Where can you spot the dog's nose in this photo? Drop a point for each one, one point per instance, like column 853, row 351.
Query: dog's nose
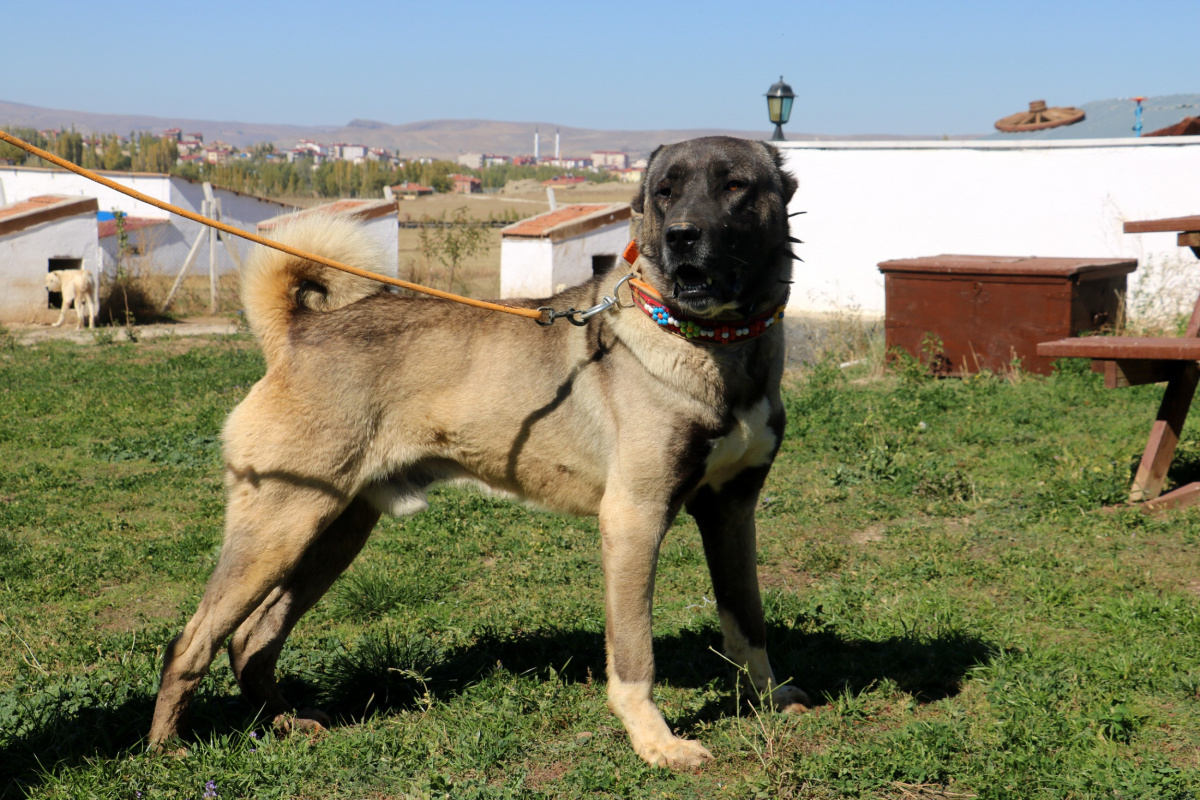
column 680, row 236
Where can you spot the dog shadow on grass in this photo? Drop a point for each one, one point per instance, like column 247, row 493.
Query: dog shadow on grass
column 390, row 674
column 387, row 673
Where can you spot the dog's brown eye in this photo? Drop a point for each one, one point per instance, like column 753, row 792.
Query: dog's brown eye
column 664, row 192
column 735, row 186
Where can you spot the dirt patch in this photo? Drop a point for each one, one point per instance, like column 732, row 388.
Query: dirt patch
column 783, row 576
column 34, row 333
column 542, row 774
column 872, row 533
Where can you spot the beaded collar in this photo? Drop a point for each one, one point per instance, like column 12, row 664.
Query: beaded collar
column 708, row 331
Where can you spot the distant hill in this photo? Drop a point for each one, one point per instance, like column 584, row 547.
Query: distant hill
column 435, row 138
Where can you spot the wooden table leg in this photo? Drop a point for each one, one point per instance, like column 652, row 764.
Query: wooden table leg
column 1164, row 436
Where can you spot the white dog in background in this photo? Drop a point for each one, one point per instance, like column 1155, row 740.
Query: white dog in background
column 77, row 288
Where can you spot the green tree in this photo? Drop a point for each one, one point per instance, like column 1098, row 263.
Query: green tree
column 450, row 243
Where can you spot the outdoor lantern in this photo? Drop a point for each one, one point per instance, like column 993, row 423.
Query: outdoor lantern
column 779, row 107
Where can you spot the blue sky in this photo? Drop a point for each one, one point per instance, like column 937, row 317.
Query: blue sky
column 919, row 67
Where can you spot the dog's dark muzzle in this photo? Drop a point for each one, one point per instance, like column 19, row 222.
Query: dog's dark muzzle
column 692, row 262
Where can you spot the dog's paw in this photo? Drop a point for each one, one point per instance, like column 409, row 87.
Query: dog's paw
column 790, row 700
column 307, row 720
column 675, row 753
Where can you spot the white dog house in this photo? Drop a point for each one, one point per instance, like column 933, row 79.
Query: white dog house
column 547, row 253
column 37, row 235
column 379, row 217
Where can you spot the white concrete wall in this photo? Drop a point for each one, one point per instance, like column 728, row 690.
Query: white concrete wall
column 871, row 202
column 525, row 267
column 241, row 211
column 573, row 257
column 21, row 183
column 386, row 231
column 24, row 261
column 169, row 245
column 539, row 267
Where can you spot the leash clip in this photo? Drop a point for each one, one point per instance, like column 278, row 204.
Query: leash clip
column 580, row 318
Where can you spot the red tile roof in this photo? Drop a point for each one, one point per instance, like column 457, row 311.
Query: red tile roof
column 1188, row 126
column 564, row 181
column 363, row 209
column 108, row 227
column 569, row 221
column 44, row 208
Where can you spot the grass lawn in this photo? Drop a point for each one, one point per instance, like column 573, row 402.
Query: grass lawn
column 937, row 569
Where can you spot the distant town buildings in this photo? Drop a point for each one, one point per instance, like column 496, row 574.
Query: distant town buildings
column 411, row 191
column 610, row 159
column 465, row 184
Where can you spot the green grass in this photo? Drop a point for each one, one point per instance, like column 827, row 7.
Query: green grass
column 936, row 565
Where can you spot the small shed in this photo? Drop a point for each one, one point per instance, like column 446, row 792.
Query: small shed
column 144, row 235
column 43, row 233
column 379, row 217
column 545, row 254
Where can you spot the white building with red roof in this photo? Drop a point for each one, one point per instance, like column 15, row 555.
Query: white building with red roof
column 377, row 216
column 37, row 235
column 564, row 247
column 163, row 246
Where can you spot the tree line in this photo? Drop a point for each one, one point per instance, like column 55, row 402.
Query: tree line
column 141, row 152
column 260, row 171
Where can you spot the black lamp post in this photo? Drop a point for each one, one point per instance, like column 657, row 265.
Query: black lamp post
column 779, row 107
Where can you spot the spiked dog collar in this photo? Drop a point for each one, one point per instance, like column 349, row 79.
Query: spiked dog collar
column 709, row 331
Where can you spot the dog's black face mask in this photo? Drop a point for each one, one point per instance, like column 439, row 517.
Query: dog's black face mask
column 714, row 225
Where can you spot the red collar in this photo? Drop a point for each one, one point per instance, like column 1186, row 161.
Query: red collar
column 708, row 331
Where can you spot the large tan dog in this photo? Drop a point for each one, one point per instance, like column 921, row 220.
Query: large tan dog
column 369, row 398
column 77, row 287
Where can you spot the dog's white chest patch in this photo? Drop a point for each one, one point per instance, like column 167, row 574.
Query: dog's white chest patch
column 749, row 444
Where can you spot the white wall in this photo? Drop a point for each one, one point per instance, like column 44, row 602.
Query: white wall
column 24, row 261
column 525, row 267
column 573, row 257
column 169, row 245
column 386, row 231
column 537, row 267
column 22, row 183
column 872, row 202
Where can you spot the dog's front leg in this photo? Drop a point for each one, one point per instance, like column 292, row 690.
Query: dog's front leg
column 631, row 535
column 62, row 313
column 726, row 522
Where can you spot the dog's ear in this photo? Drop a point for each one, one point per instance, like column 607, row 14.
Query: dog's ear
column 790, row 185
column 638, row 203
column 786, row 179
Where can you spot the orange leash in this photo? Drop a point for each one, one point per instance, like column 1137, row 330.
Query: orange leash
column 531, row 313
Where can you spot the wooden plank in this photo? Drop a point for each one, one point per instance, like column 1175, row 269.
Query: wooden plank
column 187, row 262
column 1169, row 224
column 1191, row 239
column 1009, row 266
column 1119, row 374
column 1140, row 348
column 1164, row 435
column 1182, row 497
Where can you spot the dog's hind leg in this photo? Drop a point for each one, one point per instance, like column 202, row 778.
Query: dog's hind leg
column 270, row 524
column 726, row 522
column 256, row 643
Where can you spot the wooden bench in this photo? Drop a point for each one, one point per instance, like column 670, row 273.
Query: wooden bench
column 1136, row 360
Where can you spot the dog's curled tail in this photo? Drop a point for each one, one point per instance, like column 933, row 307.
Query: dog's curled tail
column 276, row 286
